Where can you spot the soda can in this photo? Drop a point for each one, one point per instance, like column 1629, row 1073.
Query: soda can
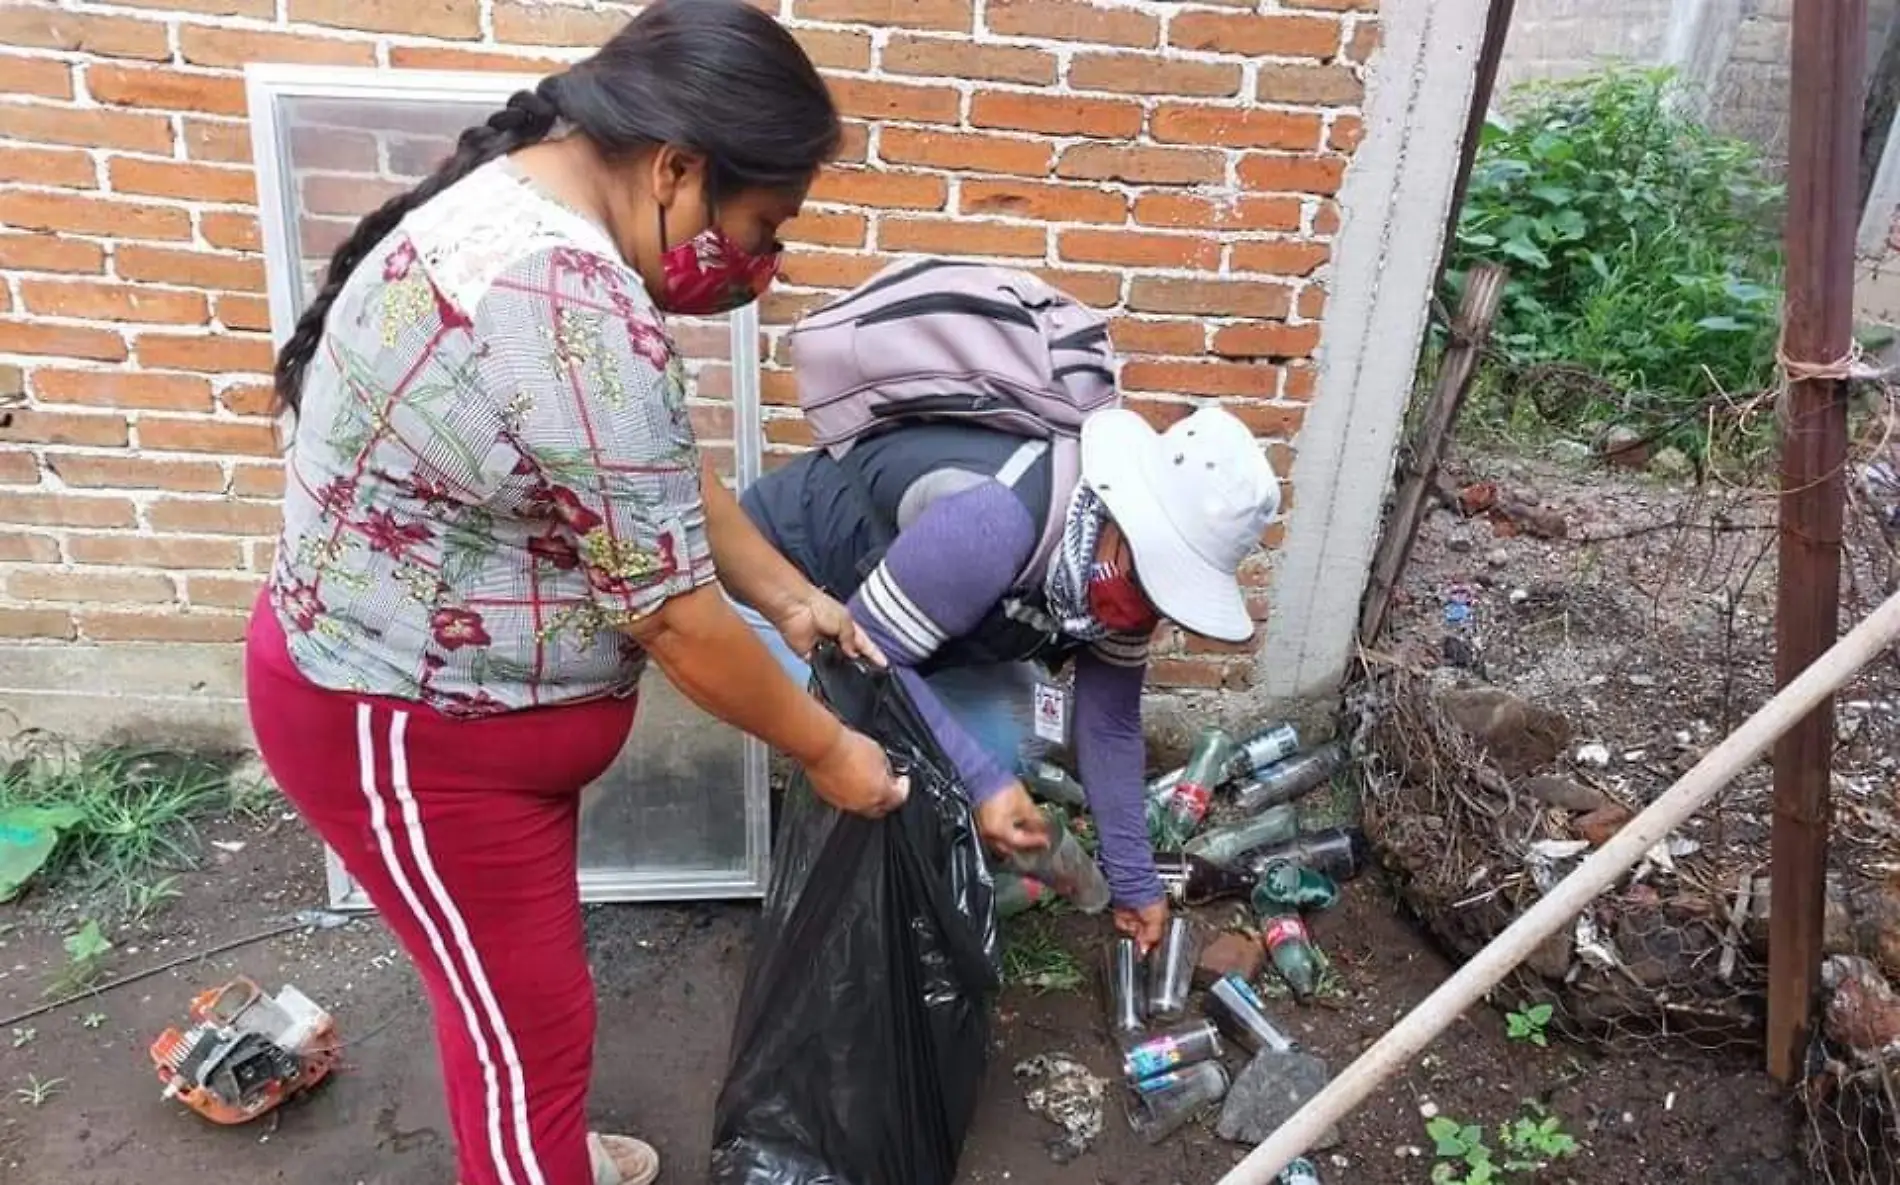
column 1123, row 974
column 1171, row 972
column 1241, row 1016
column 1169, row 1103
column 1267, row 749
column 1172, row 1051
column 1300, row 1172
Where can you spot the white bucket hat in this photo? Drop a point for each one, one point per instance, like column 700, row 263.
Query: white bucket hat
column 1192, row 503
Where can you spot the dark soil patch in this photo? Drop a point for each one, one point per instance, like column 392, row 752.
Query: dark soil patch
column 668, row 983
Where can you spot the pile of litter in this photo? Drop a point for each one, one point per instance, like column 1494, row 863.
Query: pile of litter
column 1174, row 1057
column 1464, row 808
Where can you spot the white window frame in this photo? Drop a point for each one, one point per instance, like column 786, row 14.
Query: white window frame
column 266, row 85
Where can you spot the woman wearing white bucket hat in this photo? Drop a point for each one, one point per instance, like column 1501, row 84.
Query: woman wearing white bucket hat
column 926, row 529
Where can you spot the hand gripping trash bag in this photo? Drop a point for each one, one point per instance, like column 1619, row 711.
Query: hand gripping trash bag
column 864, row 1027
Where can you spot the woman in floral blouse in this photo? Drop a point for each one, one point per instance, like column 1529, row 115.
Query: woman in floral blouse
column 496, row 512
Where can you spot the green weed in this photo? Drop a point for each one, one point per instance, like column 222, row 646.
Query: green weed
column 138, row 810
column 1034, row 958
column 1530, row 1024
column 86, row 951
column 1529, row 1144
column 1644, row 253
column 39, row 1091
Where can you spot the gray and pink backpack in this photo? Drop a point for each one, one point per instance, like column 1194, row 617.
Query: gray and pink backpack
column 939, row 340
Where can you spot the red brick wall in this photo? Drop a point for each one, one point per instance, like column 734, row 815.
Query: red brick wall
column 1173, row 163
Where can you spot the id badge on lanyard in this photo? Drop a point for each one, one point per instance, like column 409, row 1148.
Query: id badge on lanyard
column 1052, row 712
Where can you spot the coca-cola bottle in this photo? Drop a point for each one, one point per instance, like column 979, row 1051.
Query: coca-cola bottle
column 1291, row 948
column 1191, row 880
column 1218, row 759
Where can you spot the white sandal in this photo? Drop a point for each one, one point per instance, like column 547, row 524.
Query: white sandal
column 622, row 1160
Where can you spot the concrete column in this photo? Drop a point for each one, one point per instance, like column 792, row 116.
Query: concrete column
column 1395, row 203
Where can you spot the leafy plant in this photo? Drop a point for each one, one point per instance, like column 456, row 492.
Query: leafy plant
column 1642, row 248
column 1530, row 1024
column 1537, row 1135
column 38, row 1091
column 93, row 1020
column 24, row 1036
column 86, row 950
column 1530, row 1143
column 1463, row 1156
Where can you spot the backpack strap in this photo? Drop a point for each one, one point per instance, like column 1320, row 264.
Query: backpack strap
column 1065, row 472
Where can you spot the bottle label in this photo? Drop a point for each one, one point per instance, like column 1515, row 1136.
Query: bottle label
column 1147, row 1060
column 1284, row 929
column 1191, row 800
column 1244, row 990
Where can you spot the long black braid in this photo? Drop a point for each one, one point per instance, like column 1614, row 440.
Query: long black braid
column 716, row 77
column 527, row 119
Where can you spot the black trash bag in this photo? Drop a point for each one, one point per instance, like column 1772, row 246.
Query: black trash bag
column 864, row 1028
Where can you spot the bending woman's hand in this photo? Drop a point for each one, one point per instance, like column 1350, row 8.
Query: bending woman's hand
column 816, row 618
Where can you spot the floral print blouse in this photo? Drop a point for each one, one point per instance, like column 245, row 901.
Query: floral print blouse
column 493, row 469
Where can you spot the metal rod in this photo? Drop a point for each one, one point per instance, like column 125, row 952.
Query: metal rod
column 1829, row 66
column 1570, row 896
column 134, row 977
column 1497, row 29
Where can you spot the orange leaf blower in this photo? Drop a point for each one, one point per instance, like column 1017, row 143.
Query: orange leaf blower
column 246, row 1053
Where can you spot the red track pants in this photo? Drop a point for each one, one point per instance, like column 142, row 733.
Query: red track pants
column 464, row 835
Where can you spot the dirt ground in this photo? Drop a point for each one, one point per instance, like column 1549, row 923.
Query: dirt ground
column 668, row 982
column 1653, row 639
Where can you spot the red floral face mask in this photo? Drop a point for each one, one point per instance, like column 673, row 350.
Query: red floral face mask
column 1117, row 601
column 709, row 274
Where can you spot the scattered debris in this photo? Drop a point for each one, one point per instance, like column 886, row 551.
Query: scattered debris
column 1600, row 826
column 1063, row 1091
column 1863, row 1012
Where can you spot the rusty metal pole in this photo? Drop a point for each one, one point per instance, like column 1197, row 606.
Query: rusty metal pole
column 1823, row 188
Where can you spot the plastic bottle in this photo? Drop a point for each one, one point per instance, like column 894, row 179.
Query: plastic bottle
column 1285, row 885
column 1340, row 852
column 1049, row 782
column 1170, row 1102
column 1230, row 845
column 1291, row 779
column 1190, row 880
column 1018, row 894
column 1065, row 866
column 1292, row 951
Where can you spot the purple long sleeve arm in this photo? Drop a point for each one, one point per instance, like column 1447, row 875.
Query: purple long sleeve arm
column 1112, row 756
column 939, row 578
